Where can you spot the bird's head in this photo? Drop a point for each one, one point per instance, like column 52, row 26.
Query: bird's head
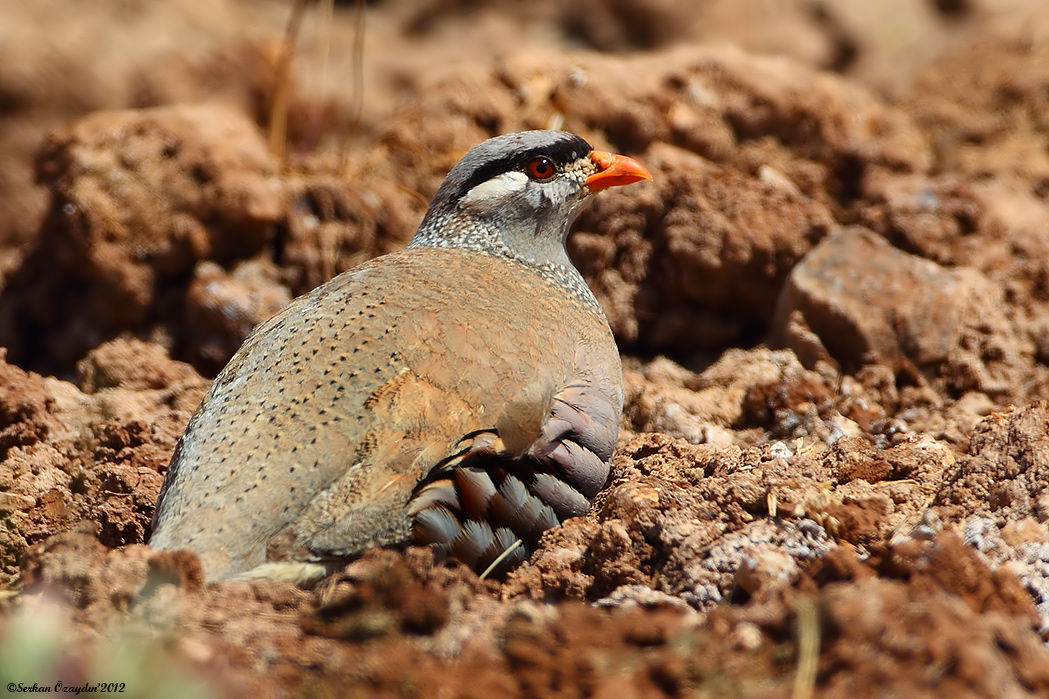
column 516, row 195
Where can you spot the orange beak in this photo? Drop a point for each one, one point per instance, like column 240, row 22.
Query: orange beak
column 614, row 171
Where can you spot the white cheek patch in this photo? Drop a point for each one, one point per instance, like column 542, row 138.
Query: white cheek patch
column 495, row 192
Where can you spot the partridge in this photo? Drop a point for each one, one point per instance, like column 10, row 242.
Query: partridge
column 463, row 393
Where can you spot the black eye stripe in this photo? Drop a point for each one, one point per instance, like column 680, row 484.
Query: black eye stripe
column 507, row 154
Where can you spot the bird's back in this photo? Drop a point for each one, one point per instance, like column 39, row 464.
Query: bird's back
column 312, row 440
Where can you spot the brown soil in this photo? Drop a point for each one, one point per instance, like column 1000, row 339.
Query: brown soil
column 833, row 304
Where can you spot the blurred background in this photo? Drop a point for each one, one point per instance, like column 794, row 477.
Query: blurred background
column 60, row 58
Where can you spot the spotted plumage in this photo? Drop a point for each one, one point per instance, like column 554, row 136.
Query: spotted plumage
column 464, row 393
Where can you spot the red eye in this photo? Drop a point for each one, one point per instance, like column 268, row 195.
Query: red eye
column 541, row 168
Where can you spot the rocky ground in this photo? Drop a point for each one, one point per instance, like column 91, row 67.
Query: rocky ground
column 832, row 301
